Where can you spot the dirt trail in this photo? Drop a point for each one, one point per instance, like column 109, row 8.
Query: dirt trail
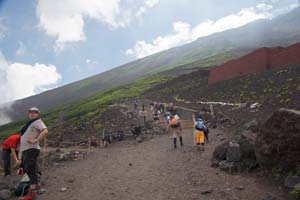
column 153, row 170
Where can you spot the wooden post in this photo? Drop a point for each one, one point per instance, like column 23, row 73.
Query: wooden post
column 102, row 139
column 89, row 143
column 144, row 114
column 212, row 111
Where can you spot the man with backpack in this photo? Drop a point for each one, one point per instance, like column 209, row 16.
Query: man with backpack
column 200, row 133
column 33, row 132
column 176, row 130
column 172, row 109
column 10, row 147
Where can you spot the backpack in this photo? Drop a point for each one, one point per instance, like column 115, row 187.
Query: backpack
column 174, row 123
column 22, row 189
column 206, row 130
column 174, row 108
column 200, row 125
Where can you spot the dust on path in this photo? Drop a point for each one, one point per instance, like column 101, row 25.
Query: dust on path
column 153, row 170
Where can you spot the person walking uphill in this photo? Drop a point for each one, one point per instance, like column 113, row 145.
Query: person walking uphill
column 200, row 132
column 32, row 134
column 176, row 130
column 9, row 147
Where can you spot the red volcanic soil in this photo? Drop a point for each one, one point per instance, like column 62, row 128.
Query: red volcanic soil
column 258, row 61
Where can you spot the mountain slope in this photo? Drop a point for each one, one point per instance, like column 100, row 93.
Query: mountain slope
column 283, row 31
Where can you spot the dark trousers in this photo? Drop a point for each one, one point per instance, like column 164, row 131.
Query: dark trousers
column 6, row 161
column 206, row 137
column 30, row 162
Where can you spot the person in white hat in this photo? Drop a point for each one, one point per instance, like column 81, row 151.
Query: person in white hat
column 176, row 130
column 33, row 132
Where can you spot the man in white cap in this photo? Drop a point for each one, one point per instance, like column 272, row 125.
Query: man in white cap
column 32, row 134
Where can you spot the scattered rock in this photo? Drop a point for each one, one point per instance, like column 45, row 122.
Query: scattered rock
column 5, row 194
column 252, row 125
column 278, row 143
column 3, row 185
column 240, row 188
column 140, row 139
column 204, row 192
column 297, row 187
column 255, row 105
column 230, row 167
column 233, row 153
column 291, row 181
column 70, row 180
column 130, row 164
column 267, row 197
column 215, row 163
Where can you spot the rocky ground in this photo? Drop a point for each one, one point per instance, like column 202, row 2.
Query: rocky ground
column 274, row 89
column 149, row 168
column 154, row 170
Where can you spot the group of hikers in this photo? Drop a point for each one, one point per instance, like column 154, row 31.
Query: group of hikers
column 24, row 147
column 174, row 125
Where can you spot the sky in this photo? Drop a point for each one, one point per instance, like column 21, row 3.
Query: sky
column 49, row 43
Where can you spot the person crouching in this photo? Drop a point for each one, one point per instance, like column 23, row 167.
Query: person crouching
column 10, row 147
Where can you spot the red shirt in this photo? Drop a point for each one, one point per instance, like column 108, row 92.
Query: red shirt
column 12, row 142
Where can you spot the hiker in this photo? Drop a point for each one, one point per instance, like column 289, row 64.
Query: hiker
column 156, row 114
column 10, row 147
column 136, row 130
column 152, row 106
column 106, row 140
column 33, row 132
column 200, row 132
column 168, row 117
column 172, row 109
column 162, row 107
column 120, row 135
column 136, row 104
column 176, row 130
column 205, row 128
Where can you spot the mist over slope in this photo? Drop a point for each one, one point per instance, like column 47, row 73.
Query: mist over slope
column 283, row 30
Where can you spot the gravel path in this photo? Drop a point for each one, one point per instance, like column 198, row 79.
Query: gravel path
column 153, row 170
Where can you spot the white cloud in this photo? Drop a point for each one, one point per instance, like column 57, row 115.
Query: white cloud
column 64, row 20
column 148, row 4
column 183, row 32
column 19, row 80
column 21, row 49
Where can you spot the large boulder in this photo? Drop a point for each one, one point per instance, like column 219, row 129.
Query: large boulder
column 247, row 147
column 278, row 142
column 220, row 151
column 291, row 181
column 5, row 194
column 233, row 152
column 252, row 125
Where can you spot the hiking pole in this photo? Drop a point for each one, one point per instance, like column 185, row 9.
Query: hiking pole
column 44, row 154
